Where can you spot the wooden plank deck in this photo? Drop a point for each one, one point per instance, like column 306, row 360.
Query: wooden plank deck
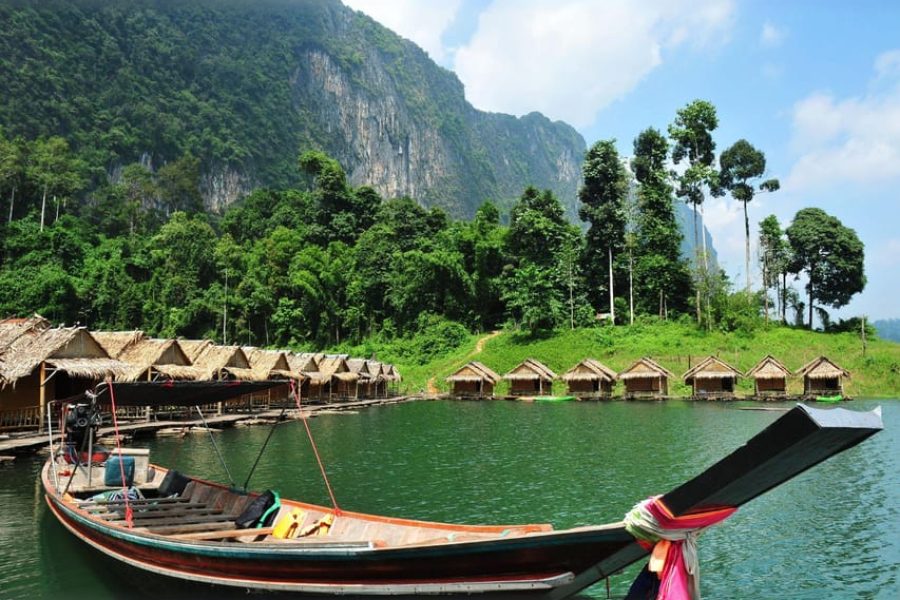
column 34, row 442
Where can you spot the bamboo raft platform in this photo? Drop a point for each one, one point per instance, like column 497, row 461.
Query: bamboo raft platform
column 34, row 442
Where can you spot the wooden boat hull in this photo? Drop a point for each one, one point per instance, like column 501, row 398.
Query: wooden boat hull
column 531, row 562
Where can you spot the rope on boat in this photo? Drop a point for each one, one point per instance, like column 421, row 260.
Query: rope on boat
column 129, row 515
column 296, row 394
column 673, row 541
column 266, row 443
column 216, row 446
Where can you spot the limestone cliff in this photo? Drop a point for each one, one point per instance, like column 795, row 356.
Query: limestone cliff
column 246, row 86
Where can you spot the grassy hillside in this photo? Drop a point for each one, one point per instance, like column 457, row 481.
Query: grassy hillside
column 675, row 346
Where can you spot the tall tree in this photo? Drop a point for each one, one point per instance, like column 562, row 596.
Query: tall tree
column 663, row 278
column 179, row 185
column 12, row 168
column 602, row 197
column 54, row 169
column 773, row 258
column 741, row 166
column 830, row 254
column 693, row 143
column 538, row 229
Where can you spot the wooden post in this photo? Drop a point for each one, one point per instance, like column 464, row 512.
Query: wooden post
column 42, row 397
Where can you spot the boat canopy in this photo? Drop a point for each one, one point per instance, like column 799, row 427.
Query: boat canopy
column 179, row 393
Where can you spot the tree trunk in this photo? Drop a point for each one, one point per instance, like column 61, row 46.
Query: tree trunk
column 631, row 285
column 55, row 199
column 12, row 203
column 810, row 301
column 43, row 206
column 784, row 296
column 612, row 306
column 765, row 286
column 697, row 265
column 571, row 297
column 747, row 249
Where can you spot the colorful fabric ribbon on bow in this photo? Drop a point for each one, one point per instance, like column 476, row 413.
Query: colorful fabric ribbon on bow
column 673, row 544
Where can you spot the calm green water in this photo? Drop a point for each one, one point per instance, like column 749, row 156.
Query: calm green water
column 834, row 532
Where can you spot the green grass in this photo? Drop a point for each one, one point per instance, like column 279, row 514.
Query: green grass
column 675, row 346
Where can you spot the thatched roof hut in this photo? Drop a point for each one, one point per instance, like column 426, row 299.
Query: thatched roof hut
column 711, row 378
column 220, row 362
column 646, row 378
column 152, row 359
column 822, row 377
column 13, row 328
column 390, row 372
column 770, row 377
column 590, row 379
column 39, row 365
column 334, row 369
column 269, row 364
column 116, row 342
column 530, row 377
column 473, row 379
column 69, row 349
column 194, row 348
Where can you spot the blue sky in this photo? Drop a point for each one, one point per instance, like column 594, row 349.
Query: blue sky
column 814, row 85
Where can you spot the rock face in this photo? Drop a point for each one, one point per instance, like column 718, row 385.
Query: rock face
column 401, row 124
column 246, row 86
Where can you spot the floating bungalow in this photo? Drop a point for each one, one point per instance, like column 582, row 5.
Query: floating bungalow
column 366, row 382
column 40, row 364
column 473, row 380
column 392, row 378
column 530, row 377
column 769, row 378
column 646, row 379
column 340, row 380
column 219, row 363
column 379, row 380
column 314, row 385
column 270, row 364
column 712, row 379
column 821, row 377
column 590, row 379
column 152, row 359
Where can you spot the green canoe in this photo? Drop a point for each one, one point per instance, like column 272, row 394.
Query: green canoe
column 555, row 398
column 830, row 399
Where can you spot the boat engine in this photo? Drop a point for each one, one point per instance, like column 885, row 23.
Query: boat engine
column 81, row 421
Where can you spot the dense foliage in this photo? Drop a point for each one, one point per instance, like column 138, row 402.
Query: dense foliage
column 230, row 83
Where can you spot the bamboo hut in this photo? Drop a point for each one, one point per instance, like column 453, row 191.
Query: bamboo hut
column 392, row 378
column 13, row 328
column 646, row 378
column 194, row 348
column 271, row 364
column 364, row 381
column 530, row 377
column 153, row 359
column 38, row 365
column 473, row 380
column 821, row 377
column 380, row 373
column 341, row 381
column 116, row 342
column 314, row 386
column 590, row 379
column 769, row 378
column 712, row 379
column 220, row 363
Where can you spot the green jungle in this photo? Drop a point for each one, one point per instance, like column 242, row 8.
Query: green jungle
column 337, row 268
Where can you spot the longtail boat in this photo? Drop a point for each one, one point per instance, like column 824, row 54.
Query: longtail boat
column 188, row 528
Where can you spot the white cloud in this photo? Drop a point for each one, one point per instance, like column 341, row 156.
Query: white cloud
column 771, row 35
column 852, row 140
column 423, row 23
column 571, row 58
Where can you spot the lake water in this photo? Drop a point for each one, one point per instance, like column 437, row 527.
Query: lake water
column 833, row 532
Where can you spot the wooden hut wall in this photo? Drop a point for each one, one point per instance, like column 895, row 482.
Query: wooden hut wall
column 473, row 388
column 646, row 386
column 519, row 387
column 827, row 385
column 771, row 386
column 713, row 385
column 25, row 394
column 589, row 387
